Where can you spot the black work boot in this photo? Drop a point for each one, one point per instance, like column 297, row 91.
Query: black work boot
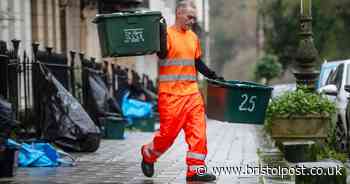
column 206, row 177
column 147, row 168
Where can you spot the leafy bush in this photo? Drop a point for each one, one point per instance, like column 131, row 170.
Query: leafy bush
column 300, row 103
column 324, row 152
column 268, row 67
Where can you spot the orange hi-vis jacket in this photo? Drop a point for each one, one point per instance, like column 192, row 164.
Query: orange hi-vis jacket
column 177, row 73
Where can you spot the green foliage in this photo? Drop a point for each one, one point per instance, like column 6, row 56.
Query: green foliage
column 298, row 103
column 323, row 152
column 268, row 67
column 331, row 25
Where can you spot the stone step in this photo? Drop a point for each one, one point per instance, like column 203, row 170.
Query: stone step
column 270, row 155
column 298, row 151
column 323, row 172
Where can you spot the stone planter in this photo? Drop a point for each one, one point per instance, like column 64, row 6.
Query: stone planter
column 300, row 128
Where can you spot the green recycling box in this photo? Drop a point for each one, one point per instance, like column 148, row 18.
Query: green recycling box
column 237, row 101
column 128, row 33
column 113, row 127
column 145, row 124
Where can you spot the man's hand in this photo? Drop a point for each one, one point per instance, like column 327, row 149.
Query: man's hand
column 220, row 78
column 214, row 76
column 163, row 38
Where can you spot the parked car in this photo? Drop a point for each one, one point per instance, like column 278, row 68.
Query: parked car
column 334, row 80
column 326, row 69
column 280, row 89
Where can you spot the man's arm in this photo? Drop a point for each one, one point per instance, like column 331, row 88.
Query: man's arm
column 203, row 69
column 163, row 39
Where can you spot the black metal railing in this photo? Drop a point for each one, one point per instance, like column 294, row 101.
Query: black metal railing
column 21, row 81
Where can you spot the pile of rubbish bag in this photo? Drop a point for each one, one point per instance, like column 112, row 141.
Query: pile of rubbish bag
column 99, row 102
column 130, row 101
column 66, row 122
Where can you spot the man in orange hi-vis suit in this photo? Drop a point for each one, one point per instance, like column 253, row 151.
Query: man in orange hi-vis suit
column 180, row 103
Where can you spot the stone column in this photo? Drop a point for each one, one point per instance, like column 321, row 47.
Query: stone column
column 307, row 54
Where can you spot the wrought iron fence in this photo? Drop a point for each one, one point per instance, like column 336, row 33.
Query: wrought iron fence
column 21, row 82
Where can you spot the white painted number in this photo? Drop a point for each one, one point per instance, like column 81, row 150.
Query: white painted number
column 248, row 103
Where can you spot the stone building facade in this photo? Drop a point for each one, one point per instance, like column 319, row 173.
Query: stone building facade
column 67, row 25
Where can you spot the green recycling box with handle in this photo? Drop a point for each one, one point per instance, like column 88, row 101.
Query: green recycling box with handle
column 237, row 101
column 113, row 127
column 129, row 33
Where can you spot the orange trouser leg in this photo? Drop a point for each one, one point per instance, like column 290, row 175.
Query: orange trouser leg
column 177, row 112
column 195, row 132
column 172, row 119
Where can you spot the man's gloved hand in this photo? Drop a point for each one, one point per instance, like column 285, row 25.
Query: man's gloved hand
column 220, row 78
column 163, row 38
column 214, row 76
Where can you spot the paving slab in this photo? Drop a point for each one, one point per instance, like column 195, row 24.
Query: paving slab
column 118, row 161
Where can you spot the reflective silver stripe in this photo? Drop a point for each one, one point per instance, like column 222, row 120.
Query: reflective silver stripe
column 177, row 77
column 196, row 155
column 176, row 62
column 197, row 168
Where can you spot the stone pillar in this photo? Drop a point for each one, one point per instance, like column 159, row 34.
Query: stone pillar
column 92, row 44
column 15, row 21
column 38, row 25
column 57, row 26
column 72, row 19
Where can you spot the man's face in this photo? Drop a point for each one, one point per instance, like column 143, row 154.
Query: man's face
column 186, row 17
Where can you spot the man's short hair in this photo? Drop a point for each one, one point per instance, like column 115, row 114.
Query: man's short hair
column 184, row 4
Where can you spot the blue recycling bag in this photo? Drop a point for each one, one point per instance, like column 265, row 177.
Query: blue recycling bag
column 39, row 155
column 132, row 108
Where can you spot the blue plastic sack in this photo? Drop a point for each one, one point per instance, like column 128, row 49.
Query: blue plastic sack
column 39, row 155
column 132, row 108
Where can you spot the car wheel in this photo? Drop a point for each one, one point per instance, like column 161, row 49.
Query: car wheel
column 341, row 138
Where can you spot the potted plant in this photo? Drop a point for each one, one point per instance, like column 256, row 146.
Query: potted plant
column 300, row 115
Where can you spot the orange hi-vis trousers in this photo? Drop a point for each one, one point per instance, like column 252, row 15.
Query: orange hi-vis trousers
column 177, row 113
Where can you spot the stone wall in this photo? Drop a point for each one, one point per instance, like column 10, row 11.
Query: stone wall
column 14, row 19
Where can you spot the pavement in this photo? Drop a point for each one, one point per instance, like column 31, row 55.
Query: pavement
column 118, row 161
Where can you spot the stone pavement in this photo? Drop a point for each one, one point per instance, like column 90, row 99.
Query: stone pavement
column 118, row 161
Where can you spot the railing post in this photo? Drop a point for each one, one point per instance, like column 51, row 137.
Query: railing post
column 113, row 81
column 49, row 50
column 72, row 72
column 35, row 51
column 4, row 61
column 93, row 62
column 15, row 44
column 83, row 79
column 3, row 47
column 13, row 75
column 37, row 101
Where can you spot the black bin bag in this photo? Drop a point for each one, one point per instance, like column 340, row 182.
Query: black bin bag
column 65, row 121
column 7, row 120
column 100, row 102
